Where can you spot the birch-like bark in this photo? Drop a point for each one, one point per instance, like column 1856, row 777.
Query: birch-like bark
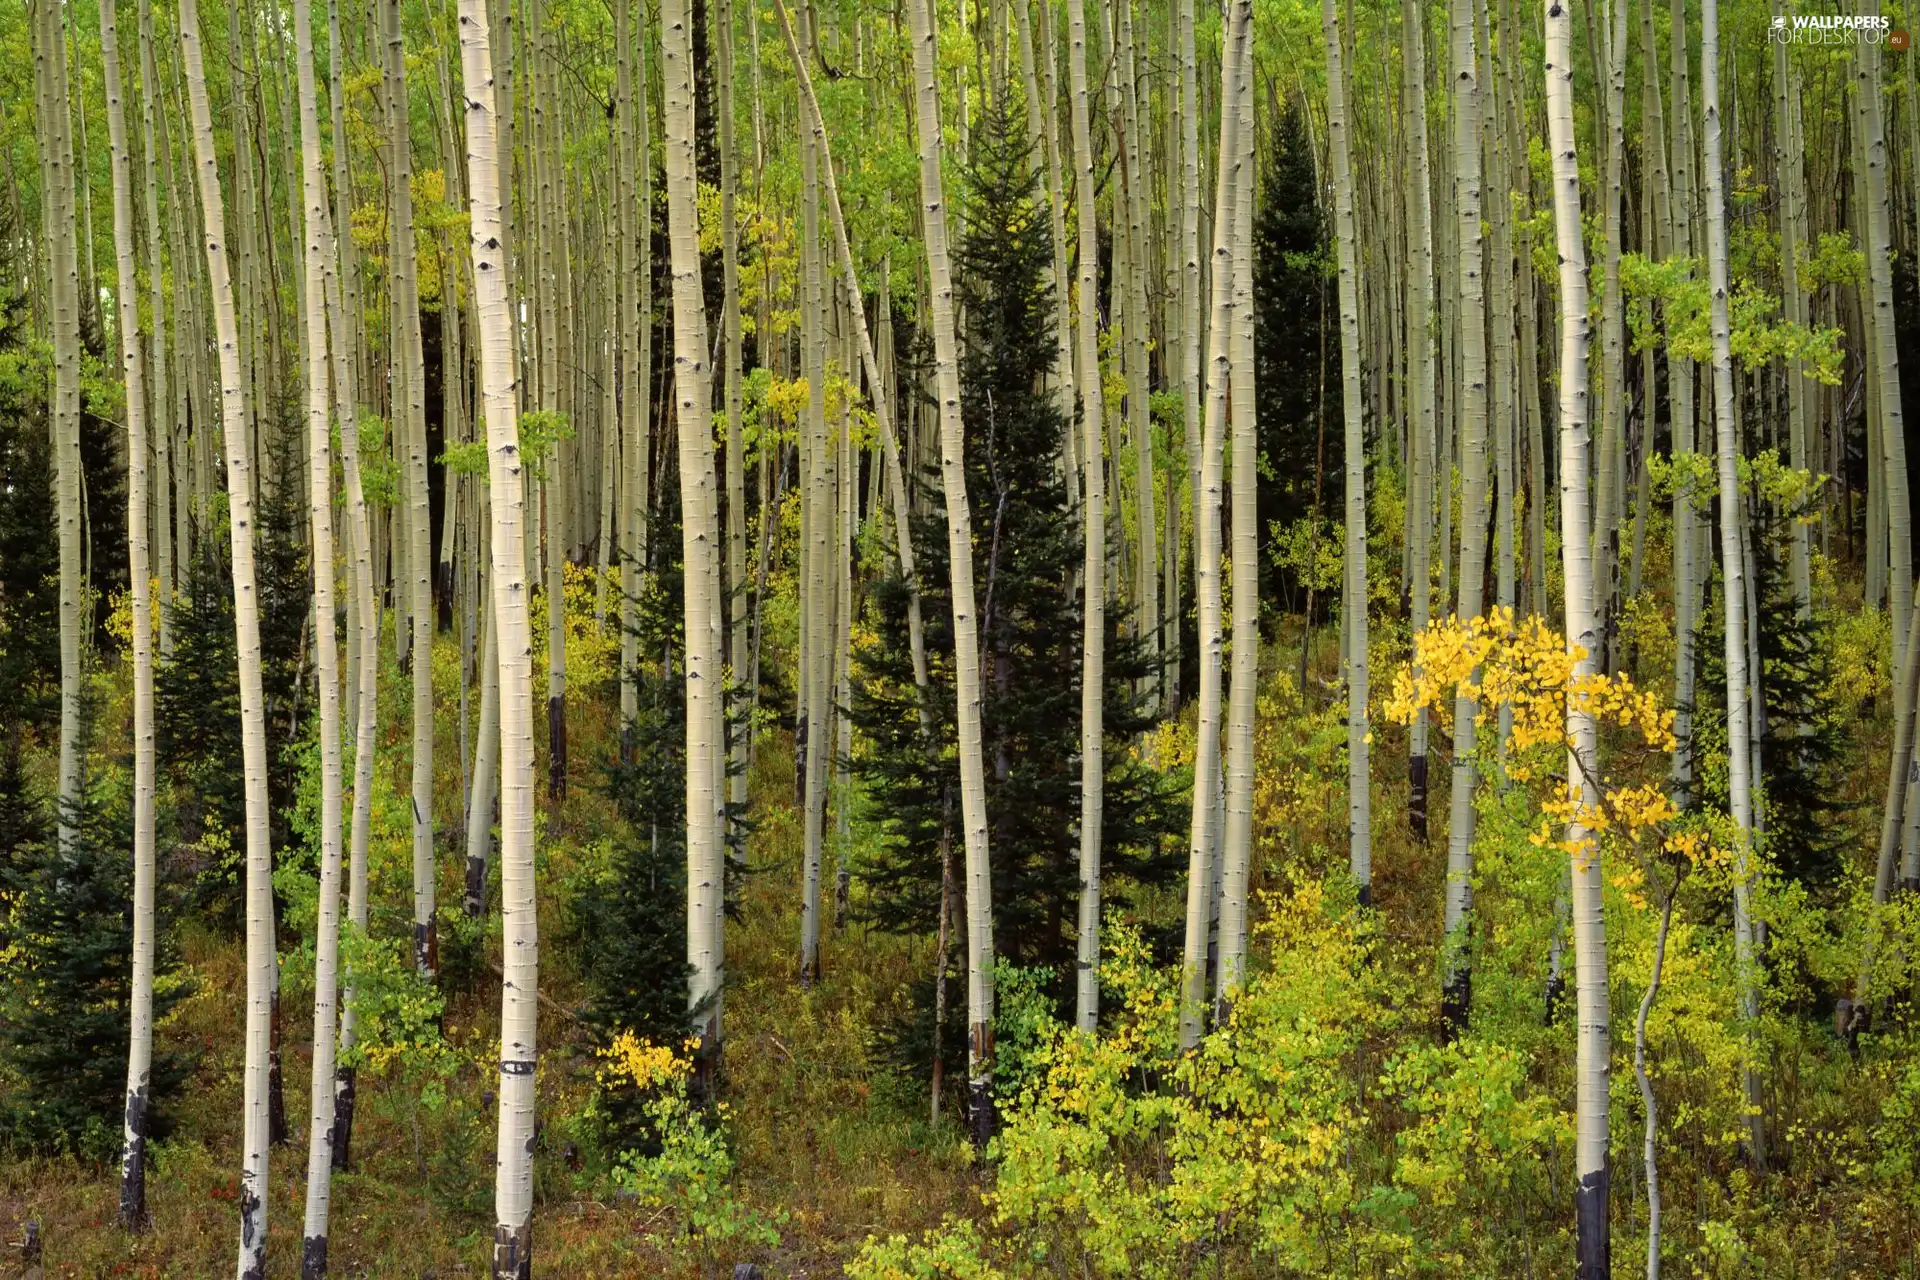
column 1236, row 847
column 62, row 259
column 693, row 380
column 133, row 1185
column 343, row 302
column 1203, row 837
column 1733, row 564
column 816, row 609
column 1681, row 380
column 1420, row 392
column 260, row 961
column 1093, row 533
column 161, row 427
column 410, row 433
column 1592, row 1048
column 736, row 558
column 313, row 189
column 1456, row 1000
column 966, row 622
column 1354, row 591
column 519, row 1010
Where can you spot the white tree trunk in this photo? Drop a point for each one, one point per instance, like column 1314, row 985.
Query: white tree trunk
column 966, row 622
column 519, row 1021
column 1354, row 591
column 693, row 380
column 246, row 618
column 1203, row 832
column 1593, row 1048
column 133, row 1189
column 1093, row 532
column 1732, row 558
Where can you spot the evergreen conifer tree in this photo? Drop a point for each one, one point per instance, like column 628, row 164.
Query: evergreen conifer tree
column 1026, row 548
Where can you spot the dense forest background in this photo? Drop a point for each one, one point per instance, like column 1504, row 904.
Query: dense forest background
column 1108, row 638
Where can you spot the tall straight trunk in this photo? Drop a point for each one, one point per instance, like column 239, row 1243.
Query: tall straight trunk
column 1420, row 392
column 550, row 203
column 1610, row 501
column 1592, row 1049
column 1877, row 219
column 693, row 381
column 966, row 622
column 1236, row 847
column 161, row 428
column 1146, row 602
column 260, row 960
column 736, row 560
column 633, row 407
column 1044, row 141
column 410, row 435
column 1681, row 379
column 1093, row 531
column 1353, row 600
column 133, row 1184
column 816, row 607
column 1790, row 175
column 519, row 1021
column 1502, row 401
column 57, row 180
column 342, row 303
column 1204, row 831
column 313, row 187
column 1732, row 560
column 1191, row 321
column 486, row 767
column 1456, row 1001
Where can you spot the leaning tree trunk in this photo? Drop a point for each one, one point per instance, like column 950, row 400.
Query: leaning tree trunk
column 1093, row 510
column 693, row 380
column 966, row 622
column 1354, row 590
column 313, row 1249
column 1593, row 1049
column 519, row 1021
column 133, row 1173
column 246, row 621
column 1732, row 560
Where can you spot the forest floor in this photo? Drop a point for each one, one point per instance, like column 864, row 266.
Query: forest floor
column 832, row 1144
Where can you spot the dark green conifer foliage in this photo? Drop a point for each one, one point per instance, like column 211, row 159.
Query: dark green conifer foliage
column 29, row 554
column 66, row 969
column 1027, row 552
column 1290, row 286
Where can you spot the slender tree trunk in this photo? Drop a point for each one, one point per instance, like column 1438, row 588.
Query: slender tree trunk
column 1236, row 850
column 253, row 735
column 1649, row 1150
column 1420, row 393
column 966, row 624
column 1203, row 842
column 1093, row 532
column 133, row 1173
column 57, row 180
column 736, row 455
column 1354, row 590
column 513, row 1177
column 313, row 1249
column 1592, row 1051
column 693, row 379
column 1681, row 381
column 816, row 530
column 1456, row 1002
column 1733, row 564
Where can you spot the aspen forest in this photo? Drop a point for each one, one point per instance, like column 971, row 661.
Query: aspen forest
column 959, row 639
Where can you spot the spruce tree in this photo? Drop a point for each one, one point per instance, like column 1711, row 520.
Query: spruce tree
column 1289, row 286
column 1026, row 550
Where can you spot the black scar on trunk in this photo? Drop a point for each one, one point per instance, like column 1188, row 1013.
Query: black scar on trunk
column 557, row 748
column 980, row 1108
column 343, row 1091
column 513, row 1251
column 133, row 1173
column 476, row 895
column 1592, row 1248
column 1417, row 797
column 250, row 1213
column 1456, row 1003
column 313, row 1257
